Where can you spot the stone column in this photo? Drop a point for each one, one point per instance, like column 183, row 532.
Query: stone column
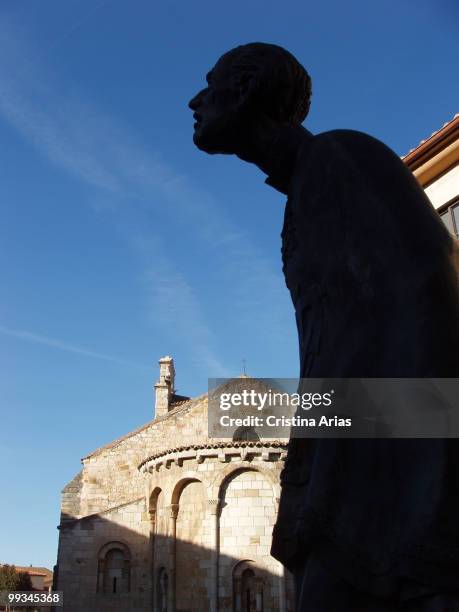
column 174, row 508
column 214, row 510
column 152, row 516
column 281, row 582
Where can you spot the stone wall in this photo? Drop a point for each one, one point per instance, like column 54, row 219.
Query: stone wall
column 111, row 477
column 223, row 500
column 187, row 519
column 80, row 545
column 71, row 498
column 246, row 523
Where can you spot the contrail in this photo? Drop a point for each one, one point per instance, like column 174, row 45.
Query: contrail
column 28, row 336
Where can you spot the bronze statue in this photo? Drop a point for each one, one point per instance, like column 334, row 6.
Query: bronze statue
column 363, row 524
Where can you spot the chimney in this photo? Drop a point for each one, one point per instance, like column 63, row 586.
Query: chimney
column 164, row 388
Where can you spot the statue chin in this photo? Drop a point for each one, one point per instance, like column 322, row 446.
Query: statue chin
column 215, row 139
column 199, row 140
column 200, row 143
column 206, row 144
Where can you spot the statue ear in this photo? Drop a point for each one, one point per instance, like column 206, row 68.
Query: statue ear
column 245, row 82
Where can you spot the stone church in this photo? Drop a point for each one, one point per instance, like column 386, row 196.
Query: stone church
column 167, row 519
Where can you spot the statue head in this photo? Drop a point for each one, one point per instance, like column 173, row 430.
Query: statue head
column 249, row 86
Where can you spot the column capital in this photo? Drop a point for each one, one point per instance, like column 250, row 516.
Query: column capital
column 214, row 505
column 174, row 508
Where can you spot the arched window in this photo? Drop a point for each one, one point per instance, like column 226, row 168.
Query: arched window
column 114, row 569
column 243, row 434
column 162, row 590
column 247, row 588
column 249, row 598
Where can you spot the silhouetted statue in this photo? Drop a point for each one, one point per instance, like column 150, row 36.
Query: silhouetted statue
column 363, row 524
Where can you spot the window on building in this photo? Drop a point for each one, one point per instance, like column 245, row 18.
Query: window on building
column 450, row 217
column 243, row 434
column 114, row 569
column 247, row 588
column 249, row 602
column 162, row 590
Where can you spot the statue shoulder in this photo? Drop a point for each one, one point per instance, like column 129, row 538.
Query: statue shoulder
column 349, row 156
column 357, row 179
column 348, row 143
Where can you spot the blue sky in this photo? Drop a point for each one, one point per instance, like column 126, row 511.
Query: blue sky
column 121, row 242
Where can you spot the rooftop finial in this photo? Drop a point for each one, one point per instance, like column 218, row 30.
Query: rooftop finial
column 244, row 374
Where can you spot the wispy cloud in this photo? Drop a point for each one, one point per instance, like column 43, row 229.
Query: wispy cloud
column 98, row 150
column 171, row 295
column 27, row 336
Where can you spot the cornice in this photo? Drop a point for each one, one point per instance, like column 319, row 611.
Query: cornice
column 220, row 450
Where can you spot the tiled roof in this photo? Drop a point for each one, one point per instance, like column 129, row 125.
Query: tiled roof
column 451, row 124
column 35, row 571
column 178, row 400
column 179, row 403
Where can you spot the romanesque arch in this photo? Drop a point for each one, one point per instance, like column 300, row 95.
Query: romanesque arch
column 180, row 486
column 153, row 501
column 248, row 587
column 217, row 485
column 114, row 568
column 159, row 547
column 248, row 510
column 193, row 551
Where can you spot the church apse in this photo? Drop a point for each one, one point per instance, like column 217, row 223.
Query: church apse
column 167, row 519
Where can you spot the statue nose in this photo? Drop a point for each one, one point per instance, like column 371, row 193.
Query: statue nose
column 194, row 102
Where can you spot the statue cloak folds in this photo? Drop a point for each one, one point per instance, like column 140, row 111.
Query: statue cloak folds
column 369, row 266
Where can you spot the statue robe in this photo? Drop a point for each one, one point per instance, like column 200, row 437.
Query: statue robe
column 369, row 266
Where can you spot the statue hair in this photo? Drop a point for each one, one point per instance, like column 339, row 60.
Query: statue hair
column 283, row 85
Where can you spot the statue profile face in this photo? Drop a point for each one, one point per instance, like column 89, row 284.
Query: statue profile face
column 219, row 110
column 247, row 87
